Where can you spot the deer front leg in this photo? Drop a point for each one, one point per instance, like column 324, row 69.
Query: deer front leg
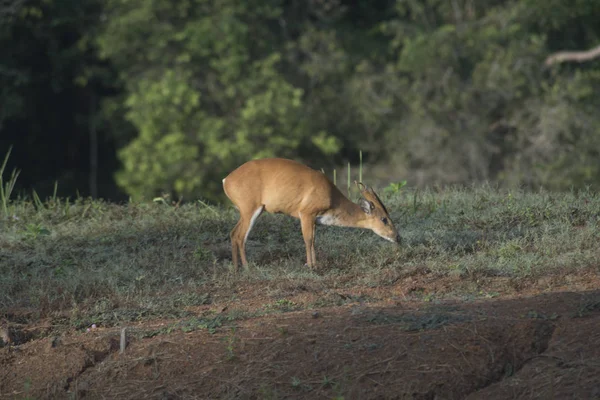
column 307, row 223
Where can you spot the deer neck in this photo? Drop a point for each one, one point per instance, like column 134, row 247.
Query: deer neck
column 345, row 213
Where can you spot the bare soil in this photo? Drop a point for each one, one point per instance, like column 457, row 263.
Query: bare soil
column 541, row 340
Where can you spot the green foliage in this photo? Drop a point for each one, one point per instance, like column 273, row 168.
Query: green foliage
column 33, row 231
column 207, row 95
column 394, row 188
column 480, row 106
column 282, row 305
column 441, row 92
column 51, row 88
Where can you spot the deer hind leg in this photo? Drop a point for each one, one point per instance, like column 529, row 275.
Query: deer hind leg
column 307, row 222
column 240, row 233
column 235, row 248
column 314, row 253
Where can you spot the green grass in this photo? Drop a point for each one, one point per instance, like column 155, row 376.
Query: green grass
column 7, row 185
column 106, row 263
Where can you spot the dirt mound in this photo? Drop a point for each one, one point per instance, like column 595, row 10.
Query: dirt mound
column 46, row 368
column 540, row 347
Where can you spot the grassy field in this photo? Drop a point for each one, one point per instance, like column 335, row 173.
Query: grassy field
column 103, row 263
column 488, row 288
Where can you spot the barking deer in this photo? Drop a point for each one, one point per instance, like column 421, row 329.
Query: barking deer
column 284, row 186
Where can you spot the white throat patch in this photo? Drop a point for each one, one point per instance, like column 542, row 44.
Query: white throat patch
column 326, row 220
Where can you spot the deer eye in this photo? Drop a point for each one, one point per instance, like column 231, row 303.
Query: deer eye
column 384, row 220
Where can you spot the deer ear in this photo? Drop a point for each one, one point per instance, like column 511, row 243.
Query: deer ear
column 366, row 206
column 361, row 186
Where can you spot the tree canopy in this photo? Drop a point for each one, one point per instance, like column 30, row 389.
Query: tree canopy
column 171, row 96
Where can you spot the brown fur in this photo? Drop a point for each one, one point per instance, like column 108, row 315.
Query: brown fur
column 284, row 186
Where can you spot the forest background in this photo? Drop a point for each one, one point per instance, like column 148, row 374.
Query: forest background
column 137, row 98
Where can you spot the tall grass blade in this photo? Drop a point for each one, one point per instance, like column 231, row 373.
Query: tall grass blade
column 360, row 167
column 7, row 187
column 415, row 199
column 39, row 204
column 348, row 179
column 208, row 207
column 54, row 192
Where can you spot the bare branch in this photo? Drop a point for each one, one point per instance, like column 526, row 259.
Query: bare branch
column 577, row 56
